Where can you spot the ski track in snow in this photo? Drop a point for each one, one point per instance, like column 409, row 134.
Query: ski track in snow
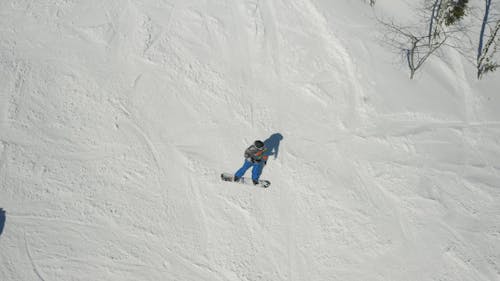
column 28, row 252
column 116, row 120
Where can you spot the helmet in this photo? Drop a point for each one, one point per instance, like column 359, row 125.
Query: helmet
column 259, row 144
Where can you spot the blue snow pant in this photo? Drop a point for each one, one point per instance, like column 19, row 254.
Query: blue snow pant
column 256, row 171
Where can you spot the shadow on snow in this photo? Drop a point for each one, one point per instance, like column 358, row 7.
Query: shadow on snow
column 2, row 220
column 273, row 144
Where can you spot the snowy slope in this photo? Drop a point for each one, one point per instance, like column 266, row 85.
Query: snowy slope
column 117, row 117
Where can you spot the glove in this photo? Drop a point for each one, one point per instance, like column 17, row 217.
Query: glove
column 253, row 160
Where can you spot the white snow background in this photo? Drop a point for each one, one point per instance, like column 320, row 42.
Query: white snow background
column 117, row 118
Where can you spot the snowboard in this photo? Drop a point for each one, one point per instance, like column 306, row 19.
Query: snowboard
column 244, row 180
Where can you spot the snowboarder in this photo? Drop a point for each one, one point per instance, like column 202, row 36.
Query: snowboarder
column 254, row 157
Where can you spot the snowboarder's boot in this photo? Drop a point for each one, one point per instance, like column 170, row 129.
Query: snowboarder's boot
column 255, row 182
column 236, row 178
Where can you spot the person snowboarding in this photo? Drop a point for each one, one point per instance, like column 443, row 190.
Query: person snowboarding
column 255, row 158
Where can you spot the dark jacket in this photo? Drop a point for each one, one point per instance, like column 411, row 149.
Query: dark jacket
column 255, row 155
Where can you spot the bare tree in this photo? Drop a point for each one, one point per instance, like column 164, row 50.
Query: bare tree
column 415, row 47
column 486, row 50
column 371, row 2
column 417, row 43
column 435, row 20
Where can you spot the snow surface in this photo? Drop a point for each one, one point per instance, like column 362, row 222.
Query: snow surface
column 117, row 117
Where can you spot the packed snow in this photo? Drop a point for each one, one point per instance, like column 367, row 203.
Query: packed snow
column 118, row 117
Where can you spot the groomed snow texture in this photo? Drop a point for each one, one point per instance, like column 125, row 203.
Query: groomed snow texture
column 118, row 116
